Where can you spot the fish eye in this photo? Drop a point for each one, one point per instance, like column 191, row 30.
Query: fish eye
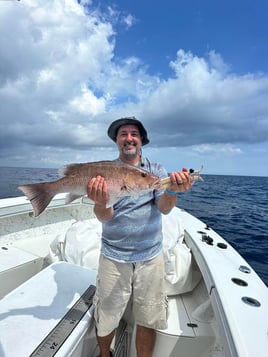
column 143, row 174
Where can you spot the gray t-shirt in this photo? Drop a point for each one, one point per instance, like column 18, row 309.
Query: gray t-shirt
column 134, row 233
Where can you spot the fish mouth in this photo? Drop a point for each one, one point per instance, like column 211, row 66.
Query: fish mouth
column 156, row 185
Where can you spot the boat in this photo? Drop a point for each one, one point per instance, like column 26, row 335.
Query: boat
column 218, row 305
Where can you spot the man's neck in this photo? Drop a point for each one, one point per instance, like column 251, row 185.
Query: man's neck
column 131, row 161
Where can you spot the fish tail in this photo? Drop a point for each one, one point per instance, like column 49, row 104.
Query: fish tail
column 40, row 195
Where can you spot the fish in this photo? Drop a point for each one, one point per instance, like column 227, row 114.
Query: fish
column 122, row 180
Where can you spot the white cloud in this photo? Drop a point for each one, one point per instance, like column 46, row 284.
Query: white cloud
column 61, row 84
column 218, row 63
column 88, row 103
column 129, row 20
column 217, row 148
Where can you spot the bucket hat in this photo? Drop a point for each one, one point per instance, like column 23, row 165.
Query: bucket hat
column 113, row 128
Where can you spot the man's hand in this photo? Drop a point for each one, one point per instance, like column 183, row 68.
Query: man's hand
column 180, row 181
column 97, row 190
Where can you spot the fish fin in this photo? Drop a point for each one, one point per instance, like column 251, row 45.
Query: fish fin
column 70, row 169
column 40, row 195
column 71, row 197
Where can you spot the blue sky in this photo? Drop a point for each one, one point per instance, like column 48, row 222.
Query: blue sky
column 235, row 29
column 195, row 72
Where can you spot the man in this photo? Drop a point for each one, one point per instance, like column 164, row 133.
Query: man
column 131, row 261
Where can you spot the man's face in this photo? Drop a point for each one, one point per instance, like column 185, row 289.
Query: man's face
column 129, row 141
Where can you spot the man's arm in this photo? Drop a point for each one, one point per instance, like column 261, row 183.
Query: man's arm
column 180, row 182
column 97, row 191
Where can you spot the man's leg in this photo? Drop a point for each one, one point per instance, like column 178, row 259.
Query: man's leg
column 145, row 341
column 104, row 344
column 149, row 304
column 113, row 290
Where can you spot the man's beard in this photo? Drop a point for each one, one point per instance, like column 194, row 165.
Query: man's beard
column 130, row 154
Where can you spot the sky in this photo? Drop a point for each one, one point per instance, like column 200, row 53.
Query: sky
column 194, row 72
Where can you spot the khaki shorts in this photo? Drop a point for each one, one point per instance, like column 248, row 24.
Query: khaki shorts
column 118, row 282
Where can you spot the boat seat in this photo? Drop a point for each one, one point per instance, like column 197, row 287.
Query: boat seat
column 185, row 335
column 16, row 266
column 29, row 313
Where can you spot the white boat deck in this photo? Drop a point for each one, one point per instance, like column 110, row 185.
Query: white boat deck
column 211, row 320
column 32, row 310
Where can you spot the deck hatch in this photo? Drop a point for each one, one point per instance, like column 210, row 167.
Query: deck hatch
column 56, row 337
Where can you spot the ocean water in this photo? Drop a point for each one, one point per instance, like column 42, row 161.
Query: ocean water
column 234, row 206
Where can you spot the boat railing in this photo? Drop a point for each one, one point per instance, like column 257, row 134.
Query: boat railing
column 21, row 205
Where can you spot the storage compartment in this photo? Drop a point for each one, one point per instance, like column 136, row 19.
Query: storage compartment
column 29, row 313
column 16, row 266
